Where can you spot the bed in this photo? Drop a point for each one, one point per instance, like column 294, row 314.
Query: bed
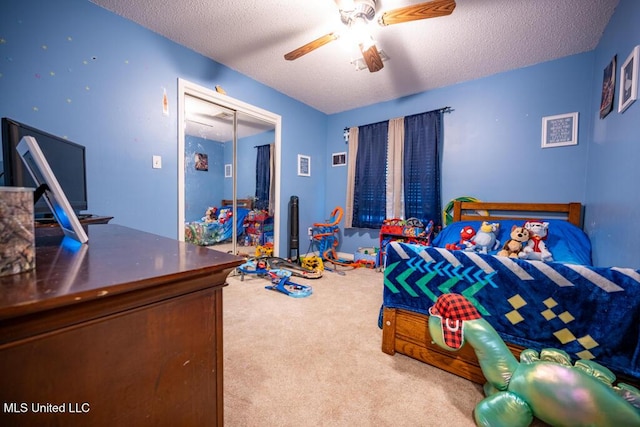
column 589, row 312
column 216, row 226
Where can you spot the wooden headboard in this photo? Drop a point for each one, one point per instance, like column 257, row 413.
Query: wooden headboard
column 489, row 211
column 242, row 203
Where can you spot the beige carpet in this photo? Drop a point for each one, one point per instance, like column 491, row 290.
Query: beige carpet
column 316, row 361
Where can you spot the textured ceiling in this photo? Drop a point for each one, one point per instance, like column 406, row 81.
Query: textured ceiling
column 480, row 38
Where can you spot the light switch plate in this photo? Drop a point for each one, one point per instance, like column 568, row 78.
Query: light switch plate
column 157, row 162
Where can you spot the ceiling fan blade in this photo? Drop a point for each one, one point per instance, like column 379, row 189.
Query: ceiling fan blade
column 431, row 9
column 372, row 58
column 303, row 50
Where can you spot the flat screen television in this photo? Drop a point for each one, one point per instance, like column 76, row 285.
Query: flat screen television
column 66, row 159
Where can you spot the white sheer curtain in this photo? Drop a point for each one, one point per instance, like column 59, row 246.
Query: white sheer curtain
column 351, row 174
column 395, row 154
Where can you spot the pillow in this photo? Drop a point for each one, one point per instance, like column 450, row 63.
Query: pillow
column 567, row 243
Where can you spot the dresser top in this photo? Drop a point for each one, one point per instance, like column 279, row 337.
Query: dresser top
column 116, row 260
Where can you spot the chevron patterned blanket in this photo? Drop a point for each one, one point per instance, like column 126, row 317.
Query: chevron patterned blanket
column 589, row 312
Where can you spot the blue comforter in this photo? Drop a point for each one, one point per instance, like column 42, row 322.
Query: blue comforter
column 209, row 233
column 589, row 312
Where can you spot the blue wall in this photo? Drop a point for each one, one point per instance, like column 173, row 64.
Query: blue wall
column 74, row 69
column 79, row 71
column 492, row 137
column 612, row 215
column 203, row 189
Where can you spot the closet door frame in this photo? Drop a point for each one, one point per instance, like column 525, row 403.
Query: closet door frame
column 186, row 88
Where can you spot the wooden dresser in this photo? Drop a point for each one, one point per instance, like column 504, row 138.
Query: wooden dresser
column 126, row 330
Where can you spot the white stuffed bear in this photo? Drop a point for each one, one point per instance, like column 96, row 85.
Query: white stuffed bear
column 536, row 248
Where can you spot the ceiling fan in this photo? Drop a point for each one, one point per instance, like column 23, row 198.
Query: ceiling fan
column 356, row 14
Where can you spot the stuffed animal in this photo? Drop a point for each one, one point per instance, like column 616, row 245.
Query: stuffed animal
column 536, row 249
column 486, row 238
column 224, row 215
column 513, row 246
column 466, row 234
column 211, row 215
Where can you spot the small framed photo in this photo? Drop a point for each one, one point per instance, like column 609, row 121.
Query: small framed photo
column 629, row 80
column 304, row 165
column 228, row 170
column 339, row 159
column 560, row 130
column 201, row 161
column 608, row 88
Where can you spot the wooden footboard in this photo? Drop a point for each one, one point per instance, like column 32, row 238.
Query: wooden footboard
column 407, row 332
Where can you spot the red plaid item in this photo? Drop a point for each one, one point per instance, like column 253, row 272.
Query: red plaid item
column 453, row 309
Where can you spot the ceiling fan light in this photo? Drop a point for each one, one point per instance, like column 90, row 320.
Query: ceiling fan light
column 360, row 33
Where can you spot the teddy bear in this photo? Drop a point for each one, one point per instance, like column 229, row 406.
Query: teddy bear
column 211, row 215
column 466, row 234
column 513, row 246
column 486, row 238
column 535, row 248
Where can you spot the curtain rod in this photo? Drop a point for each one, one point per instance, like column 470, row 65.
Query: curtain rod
column 441, row 110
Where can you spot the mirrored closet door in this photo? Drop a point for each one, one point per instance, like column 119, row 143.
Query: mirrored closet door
column 228, row 172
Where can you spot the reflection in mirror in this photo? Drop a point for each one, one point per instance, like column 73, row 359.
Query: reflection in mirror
column 213, row 178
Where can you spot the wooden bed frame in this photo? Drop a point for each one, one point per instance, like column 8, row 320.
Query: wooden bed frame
column 242, row 203
column 407, row 332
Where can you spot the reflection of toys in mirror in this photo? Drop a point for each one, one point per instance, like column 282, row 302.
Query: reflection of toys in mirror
column 224, row 215
column 211, row 215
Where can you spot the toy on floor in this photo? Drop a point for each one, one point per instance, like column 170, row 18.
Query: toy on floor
column 284, row 285
column 325, row 237
column 312, row 262
column 295, row 269
column 280, row 279
column 543, row 385
column 264, row 250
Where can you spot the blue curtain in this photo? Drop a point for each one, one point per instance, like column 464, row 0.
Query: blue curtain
column 369, row 201
column 263, row 177
column 422, row 134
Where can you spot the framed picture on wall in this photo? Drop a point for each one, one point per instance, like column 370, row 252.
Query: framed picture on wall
column 201, row 161
column 629, row 80
column 608, row 88
column 304, row 165
column 339, row 159
column 560, row 130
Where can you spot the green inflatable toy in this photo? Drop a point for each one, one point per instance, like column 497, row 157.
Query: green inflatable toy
column 545, row 385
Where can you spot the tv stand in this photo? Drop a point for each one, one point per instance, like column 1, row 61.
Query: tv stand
column 85, row 219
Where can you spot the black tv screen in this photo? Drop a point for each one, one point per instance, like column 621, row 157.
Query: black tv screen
column 66, row 158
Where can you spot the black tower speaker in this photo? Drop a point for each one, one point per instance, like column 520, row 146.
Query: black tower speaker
column 294, row 230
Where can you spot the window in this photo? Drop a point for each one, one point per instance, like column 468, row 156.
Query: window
column 420, row 170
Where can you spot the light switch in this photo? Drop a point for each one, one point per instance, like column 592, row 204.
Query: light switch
column 157, row 162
